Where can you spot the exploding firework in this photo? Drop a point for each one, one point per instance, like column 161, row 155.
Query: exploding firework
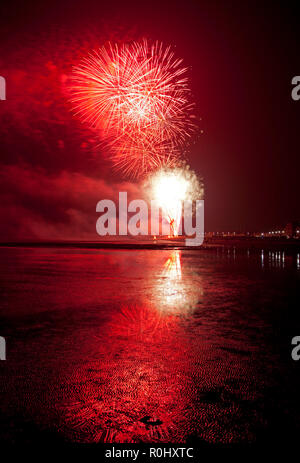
column 137, row 97
column 137, row 159
column 170, row 187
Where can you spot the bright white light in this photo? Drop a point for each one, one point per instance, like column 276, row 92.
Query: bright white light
column 168, row 187
column 170, row 190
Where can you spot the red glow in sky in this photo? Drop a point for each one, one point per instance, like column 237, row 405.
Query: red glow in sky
column 241, row 61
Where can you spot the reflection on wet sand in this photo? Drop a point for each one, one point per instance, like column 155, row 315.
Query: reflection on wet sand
column 142, row 400
column 176, row 290
column 151, row 346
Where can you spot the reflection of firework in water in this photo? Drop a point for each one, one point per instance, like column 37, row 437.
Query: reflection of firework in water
column 137, row 96
column 142, row 322
column 169, row 188
column 173, row 265
column 176, row 292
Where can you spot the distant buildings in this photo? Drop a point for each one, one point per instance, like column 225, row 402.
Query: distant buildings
column 291, row 230
column 228, row 234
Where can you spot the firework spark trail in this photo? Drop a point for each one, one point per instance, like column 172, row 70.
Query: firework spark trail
column 145, row 156
column 137, row 97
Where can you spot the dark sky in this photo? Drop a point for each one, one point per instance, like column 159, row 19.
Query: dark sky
column 242, row 59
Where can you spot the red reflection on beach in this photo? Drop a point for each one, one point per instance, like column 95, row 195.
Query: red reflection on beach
column 173, row 265
column 136, row 345
column 174, row 291
column 131, row 395
column 143, row 370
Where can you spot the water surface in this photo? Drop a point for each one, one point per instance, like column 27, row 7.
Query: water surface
column 148, row 345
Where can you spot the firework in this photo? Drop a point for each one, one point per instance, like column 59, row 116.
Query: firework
column 170, row 187
column 137, row 97
column 137, row 159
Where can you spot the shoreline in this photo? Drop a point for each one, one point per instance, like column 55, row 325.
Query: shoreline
column 167, row 244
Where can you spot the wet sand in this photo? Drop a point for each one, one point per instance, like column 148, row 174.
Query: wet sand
column 132, row 345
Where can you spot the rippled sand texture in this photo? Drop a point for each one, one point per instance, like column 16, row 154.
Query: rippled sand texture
column 148, row 346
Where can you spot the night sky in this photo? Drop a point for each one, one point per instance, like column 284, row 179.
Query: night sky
column 242, row 60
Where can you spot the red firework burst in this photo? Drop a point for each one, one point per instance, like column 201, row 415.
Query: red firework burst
column 137, row 96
